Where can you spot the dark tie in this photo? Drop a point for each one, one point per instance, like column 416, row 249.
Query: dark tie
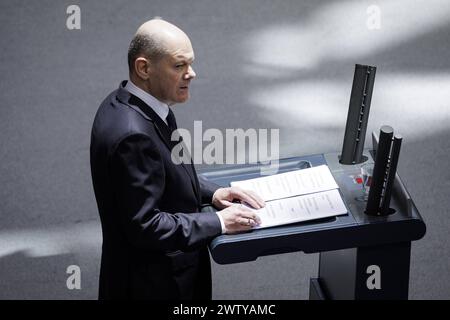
column 171, row 122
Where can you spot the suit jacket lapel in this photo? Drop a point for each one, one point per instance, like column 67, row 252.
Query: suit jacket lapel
column 165, row 134
column 160, row 126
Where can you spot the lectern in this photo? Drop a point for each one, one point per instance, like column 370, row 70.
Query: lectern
column 364, row 254
column 361, row 256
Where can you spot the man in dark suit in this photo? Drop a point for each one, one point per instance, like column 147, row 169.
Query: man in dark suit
column 154, row 235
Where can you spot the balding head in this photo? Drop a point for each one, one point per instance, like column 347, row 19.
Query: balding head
column 162, row 31
column 154, row 39
column 160, row 60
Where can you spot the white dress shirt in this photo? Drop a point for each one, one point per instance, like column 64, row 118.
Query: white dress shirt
column 161, row 109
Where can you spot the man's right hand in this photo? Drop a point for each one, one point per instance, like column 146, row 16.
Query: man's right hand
column 238, row 218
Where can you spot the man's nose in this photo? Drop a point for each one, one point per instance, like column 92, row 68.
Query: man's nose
column 190, row 74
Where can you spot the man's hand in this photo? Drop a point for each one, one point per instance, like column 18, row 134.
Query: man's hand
column 224, row 197
column 238, row 218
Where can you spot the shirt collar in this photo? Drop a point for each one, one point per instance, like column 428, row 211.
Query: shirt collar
column 161, row 109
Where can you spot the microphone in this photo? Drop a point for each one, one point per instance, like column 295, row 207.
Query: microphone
column 385, row 168
column 358, row 115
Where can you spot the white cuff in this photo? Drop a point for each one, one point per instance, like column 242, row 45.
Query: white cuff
column 222, row 224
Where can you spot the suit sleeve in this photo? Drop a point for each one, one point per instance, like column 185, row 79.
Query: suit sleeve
column 207, row 189
column 138, row 177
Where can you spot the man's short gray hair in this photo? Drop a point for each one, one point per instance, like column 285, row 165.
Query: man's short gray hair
column 147, row 46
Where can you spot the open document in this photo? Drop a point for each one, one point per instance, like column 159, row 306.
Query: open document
column 296, row 196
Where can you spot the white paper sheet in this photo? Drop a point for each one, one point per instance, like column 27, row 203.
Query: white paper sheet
column 301, row 208
column 295, row 196
column 290, row 183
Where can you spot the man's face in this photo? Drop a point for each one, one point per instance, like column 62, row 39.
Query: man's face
column 172, row 74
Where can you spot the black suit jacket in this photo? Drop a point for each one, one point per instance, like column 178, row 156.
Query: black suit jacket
column 154, row 238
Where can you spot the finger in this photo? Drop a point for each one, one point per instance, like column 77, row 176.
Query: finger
column 246, row 198
column 226, row 203
column 248, row 222
column 254, row 217
column 256, row 197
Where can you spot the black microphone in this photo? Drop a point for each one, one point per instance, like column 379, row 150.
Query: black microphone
column 384, row 171
column 395, row 153
column 358, row 115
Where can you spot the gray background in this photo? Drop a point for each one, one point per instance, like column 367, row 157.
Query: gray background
column 260, row 64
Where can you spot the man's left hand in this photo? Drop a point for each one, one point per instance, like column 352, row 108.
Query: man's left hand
column 225, row 197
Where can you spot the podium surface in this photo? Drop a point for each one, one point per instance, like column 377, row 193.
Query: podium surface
column 357, row 251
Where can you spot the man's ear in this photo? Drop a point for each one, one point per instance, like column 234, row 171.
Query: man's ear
column 142, row 68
